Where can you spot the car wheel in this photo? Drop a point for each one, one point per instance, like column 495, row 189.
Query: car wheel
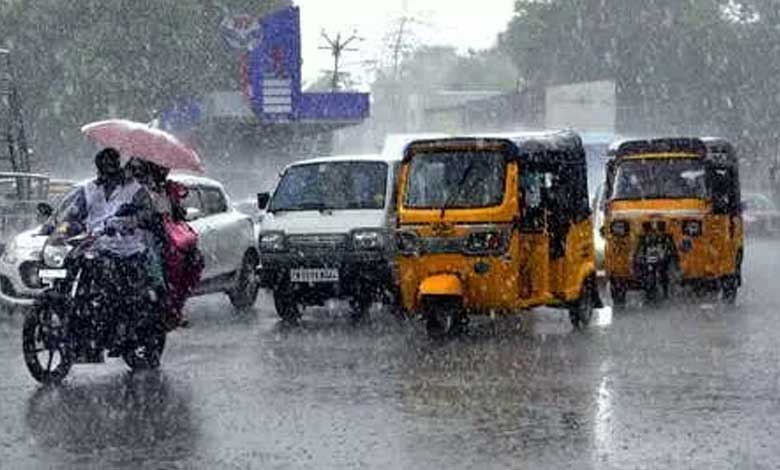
column 244, row 293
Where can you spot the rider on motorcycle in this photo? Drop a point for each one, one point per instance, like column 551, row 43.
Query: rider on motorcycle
column 118, row 212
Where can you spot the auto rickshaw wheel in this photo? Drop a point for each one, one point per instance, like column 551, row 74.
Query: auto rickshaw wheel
column 618, row 291
column 581, row 311
column 444, row 317
column 729, row 285
column 673, row 281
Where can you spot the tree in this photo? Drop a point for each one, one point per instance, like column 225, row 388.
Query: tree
column 91, row 59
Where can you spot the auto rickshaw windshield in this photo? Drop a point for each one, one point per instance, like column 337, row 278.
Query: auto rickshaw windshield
column 455, row 180
column 655, row 178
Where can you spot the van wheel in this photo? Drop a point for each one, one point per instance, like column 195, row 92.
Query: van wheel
column 244, row 293
column 443, row 317
column 581, row 311
column 286, row 307
column 360, row 308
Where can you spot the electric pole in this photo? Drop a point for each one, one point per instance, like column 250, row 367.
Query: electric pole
column 337, row 47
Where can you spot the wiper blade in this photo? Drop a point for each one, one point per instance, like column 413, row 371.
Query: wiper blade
column 458, row 189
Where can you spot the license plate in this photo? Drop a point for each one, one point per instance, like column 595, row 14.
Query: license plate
column 52, row 273
column 314, row 275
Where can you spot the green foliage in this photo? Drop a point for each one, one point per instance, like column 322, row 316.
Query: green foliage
column 686, row 66
column 79, row 61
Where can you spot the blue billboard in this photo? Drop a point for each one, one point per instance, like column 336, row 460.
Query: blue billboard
column 275, row 77
column 270, row 76
column 275, row 67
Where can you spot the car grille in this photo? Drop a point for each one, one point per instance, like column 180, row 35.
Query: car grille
column 324, row 242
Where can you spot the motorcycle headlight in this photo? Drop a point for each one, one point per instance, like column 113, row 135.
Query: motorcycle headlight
column 619, row 228
column 272, row 242
column 692, row 228
column 368, row 240
column 54, row 255
column 489, row 241
column 407, row 242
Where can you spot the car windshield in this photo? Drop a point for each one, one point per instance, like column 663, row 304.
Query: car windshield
column 653, row 178
column 331, row 186
column 758, row 202
column 455, row 180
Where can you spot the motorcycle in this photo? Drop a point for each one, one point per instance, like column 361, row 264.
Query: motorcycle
column 95, row 303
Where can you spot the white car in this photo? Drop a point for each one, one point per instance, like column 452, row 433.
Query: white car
column 226, row 238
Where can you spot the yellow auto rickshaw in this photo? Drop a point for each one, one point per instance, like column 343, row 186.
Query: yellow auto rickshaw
column 491, row 225
column 673, row 218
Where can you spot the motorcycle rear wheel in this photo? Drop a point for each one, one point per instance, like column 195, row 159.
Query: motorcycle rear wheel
column 43, row 333
column 147, row 352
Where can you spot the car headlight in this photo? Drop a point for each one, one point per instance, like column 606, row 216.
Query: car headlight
column 54, row 255
column 10, row 255
column 484, row 242
column 692, row 228
column 272, row 242
column 619, row 228
column 407, row 242
column 28, row 271
column 368, row 240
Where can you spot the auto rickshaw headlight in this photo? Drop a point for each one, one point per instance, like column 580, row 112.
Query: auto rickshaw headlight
column 692, row 228
column 368, row 239
column 407, row 242
column 483, row 242
column 271, row 242
column 619, row 228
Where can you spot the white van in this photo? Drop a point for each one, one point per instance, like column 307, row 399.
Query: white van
column 327, row 233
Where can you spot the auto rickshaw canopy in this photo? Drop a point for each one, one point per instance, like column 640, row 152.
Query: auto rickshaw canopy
column 714, row 150
column 562, row 147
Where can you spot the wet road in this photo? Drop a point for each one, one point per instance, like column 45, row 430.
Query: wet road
column 692, row 386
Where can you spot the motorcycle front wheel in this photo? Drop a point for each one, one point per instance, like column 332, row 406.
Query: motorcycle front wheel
column 44, row 344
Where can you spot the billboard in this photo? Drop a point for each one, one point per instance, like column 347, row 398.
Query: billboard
column 585, row 107
column 275, row 67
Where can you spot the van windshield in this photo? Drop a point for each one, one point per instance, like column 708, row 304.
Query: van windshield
column 455, row 180
column 654, row 178
column 331, row 186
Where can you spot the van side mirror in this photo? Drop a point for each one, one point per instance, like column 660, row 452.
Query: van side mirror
column 192, row 213
column 262, row 200
column 45, row 210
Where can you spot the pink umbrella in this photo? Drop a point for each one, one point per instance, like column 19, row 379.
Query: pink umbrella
column 136, row 139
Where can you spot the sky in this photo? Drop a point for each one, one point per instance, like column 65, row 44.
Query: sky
column 460, row 23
